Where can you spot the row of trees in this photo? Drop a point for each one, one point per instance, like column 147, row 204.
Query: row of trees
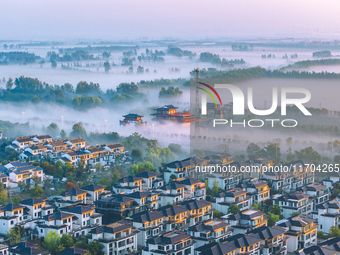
column 170, row 92
column 216, row 60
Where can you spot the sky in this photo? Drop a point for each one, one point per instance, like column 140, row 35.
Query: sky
column 158, row 19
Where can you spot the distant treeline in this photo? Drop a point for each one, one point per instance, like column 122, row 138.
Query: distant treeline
column 321, row 54
column 171, row 91
column 96, row 49
column 84, row 96
column 259, row 72
column 215, row 59
column 162, row 82
column 175, row 51
column 67, row 57
column 307, row 63
column 241, row 47
column 17, row 57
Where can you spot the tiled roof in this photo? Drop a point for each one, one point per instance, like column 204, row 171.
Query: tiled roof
column 93, row 187
column 33, row 201
column 146, row 216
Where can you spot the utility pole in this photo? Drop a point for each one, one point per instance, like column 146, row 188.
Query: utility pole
column 23, row 117
column 197, row 102
column 62, row 121
column 105, row 125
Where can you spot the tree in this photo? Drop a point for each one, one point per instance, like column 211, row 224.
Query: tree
column 289, row 140
column 275, row 209
column 53, row 64
column 334, row 231
column 200, row 154
column 9, row 84
column 37, row 192
column 52, row 129
column 63, row 134
column 273, row 151
column 295, row 213
column 67, row 241
column 256, row 206
column 253, row 150
column 308, row 154
column 215, row 189
column 52, row 243
column 107, row 66
column 35, row 100
column 15, row 200
column 14, row 235
column 233, row 208
column 5, row 46
column 172, row 177
column 95, row 248
column 272, row 219
column 140, row 69
column 115, row 176
column 78, row 130
column 3, row 195
column 217, row 214
column 70, row 185
column 321, row 235
column 136, row 154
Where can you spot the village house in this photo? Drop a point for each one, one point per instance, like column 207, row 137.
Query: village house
column 37, row 207
column 230, row 178
column 245, row 221
column 247, row 244
column 301, row 231
column 318, row 193
column 95, row 192
column 194, row 188
column 171, row 193
column 199, row 210
column 174, row 242
column 118, row 238
column 274, row 239
column 76, row 143
column 12, row 215
column 75, row 195
column 149, row 179
column 328, row 215
column 4, row 180
column 175, row 217
column 59, row 222
column 239, row 197
column 23, row 173
column 85, row 220
column 74, row 251
column 216, row 248
column 294, row 203
column 149, row 224
column 261, row 164
column 27, row 248
column 214, row 230
column 146, row 199
column 183, row 168
column 257, row 189
column 116, row 208
column 293, row 175
column 128, row 184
